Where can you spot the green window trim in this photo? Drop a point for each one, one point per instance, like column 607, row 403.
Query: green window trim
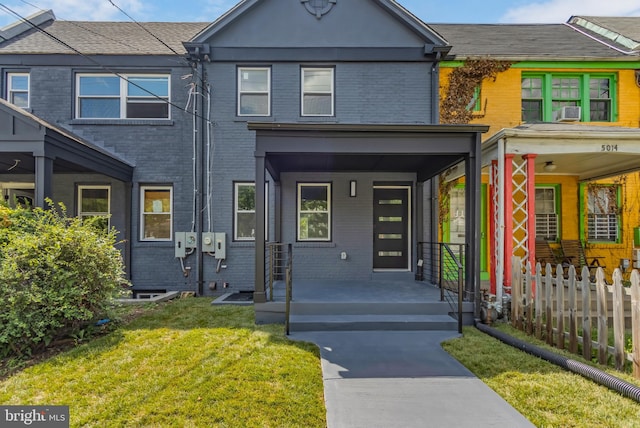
column 583, row 188
column 584, row 94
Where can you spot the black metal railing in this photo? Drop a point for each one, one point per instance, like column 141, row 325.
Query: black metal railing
column 289, row 288
column 443, row 264
column 274, row 265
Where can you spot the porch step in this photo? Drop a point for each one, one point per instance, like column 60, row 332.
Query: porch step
column 363, row 316
column 397, row 322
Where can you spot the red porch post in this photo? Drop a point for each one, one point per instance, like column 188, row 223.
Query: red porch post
column 493, row 180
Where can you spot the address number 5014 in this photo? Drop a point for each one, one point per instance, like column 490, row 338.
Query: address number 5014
column 609, row 148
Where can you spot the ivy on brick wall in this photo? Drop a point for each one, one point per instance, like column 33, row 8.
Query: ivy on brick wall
column 456, row 106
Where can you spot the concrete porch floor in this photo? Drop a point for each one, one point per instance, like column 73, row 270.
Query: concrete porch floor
column 398, row 299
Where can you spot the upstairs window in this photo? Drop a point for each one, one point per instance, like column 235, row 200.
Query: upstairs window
column 544, row 97
column 317, row 92
column 254, row 91
column 18, row 89
column 105, row 96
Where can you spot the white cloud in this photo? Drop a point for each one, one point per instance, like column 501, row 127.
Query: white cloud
column 559, row 11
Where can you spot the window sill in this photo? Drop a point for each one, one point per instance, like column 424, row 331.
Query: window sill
column 316, row 244
column 120, row 122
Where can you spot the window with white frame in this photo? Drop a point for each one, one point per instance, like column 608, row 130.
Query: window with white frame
column 317, row 91
column 546, row 215
column 254, row 91
column 156, row 213
column 314, row 211
column 245, row 211
column 127, row 96
column 18, row 89
column 95, row 202
column 602, row 213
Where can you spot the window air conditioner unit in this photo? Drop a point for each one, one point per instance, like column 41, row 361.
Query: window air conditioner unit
column 568, row 114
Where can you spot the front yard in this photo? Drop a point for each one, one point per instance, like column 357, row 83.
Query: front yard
column 186, row 363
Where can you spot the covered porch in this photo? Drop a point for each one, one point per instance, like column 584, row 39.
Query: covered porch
column 40, row 161
column 566, row 159
column 372, row 156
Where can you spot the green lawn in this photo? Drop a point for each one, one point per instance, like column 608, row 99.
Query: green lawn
column 188, row 363
column 545, row 394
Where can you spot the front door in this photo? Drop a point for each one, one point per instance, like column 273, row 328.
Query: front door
column 391, row 228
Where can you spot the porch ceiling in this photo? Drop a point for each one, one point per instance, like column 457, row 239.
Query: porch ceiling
column 589, row 152
column 424, row 149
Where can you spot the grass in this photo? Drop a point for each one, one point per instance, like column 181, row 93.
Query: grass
column 545, row 394
column 188, row 363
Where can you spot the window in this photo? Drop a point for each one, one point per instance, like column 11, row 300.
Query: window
column 18, row 89
column 106, row 96
column 94, row 201
column 254, row 91
column 544, row 96
column 314, row 212
column 602, row 213
column 475, row 105
column 156, row 204
column 546, row 214
column 245, row 211
column 317, row 92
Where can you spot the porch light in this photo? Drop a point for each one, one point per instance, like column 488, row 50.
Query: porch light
column 353, row 184
column 550, row 166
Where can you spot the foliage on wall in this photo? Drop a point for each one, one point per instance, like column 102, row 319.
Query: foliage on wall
column 456, row 107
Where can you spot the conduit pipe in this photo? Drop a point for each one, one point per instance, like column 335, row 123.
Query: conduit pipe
column 625, row 388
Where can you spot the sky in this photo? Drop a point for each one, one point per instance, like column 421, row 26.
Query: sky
column 430, row 11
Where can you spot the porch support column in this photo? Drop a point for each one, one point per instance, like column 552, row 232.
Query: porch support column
column 259, row 295
column 278, row 212
column 531, row 206
column 419, row 227
column 508, row 219
column 473, row 169
column 43, row 180
column 492, row 224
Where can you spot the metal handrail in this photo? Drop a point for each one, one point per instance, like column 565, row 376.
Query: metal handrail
column 440, row 264
column 289, row 288
column 275, row 265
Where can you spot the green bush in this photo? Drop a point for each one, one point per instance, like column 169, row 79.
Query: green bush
column 57, row 275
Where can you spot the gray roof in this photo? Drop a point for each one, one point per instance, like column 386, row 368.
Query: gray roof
column 620, row 32
column 104, row 38
column 522, row 42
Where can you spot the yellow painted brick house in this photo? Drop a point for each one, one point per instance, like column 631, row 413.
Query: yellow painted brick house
column 563, row 149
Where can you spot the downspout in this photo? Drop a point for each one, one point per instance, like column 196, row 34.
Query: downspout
column 200, row 176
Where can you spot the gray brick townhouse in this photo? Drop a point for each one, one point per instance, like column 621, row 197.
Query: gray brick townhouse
column 307, row 122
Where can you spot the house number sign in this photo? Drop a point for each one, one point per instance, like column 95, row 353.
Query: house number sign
column 609, row 148
column 318, row 7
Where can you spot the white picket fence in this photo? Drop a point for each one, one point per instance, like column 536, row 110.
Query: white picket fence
column 554, row 313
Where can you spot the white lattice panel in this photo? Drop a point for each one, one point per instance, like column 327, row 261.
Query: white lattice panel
column 520, row 209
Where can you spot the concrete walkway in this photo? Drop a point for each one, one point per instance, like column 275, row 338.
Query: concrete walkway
column 403, row 379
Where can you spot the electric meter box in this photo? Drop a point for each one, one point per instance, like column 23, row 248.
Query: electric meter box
column 208, row 242
column 220, row 246
column 184, row 241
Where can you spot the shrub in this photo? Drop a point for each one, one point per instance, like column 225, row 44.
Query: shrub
column 57, row 274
